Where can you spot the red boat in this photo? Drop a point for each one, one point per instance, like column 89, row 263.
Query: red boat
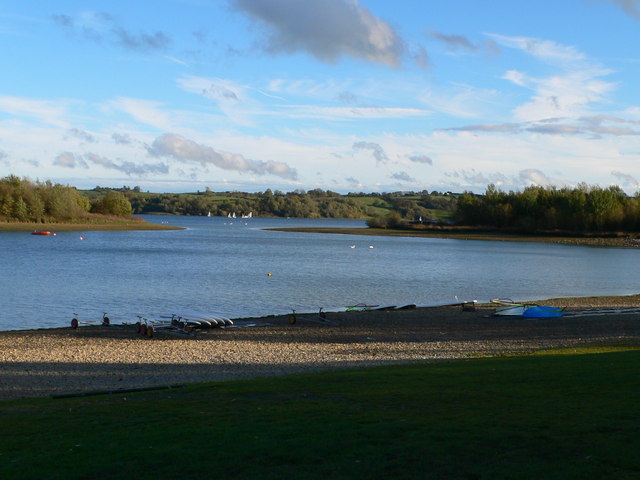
column 41, row 232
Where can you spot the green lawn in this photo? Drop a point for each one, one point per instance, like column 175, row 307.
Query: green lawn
column 565, row 415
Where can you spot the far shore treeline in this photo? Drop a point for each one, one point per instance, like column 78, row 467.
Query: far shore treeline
column 584, row 209
column 535, row 210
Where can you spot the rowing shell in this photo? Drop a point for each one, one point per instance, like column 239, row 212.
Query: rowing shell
column 196, row 315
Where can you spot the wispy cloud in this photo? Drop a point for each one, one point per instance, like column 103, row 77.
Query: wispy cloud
column 525, row 177
column 145, row 111
column 218, row 90
column 122, row 138
column 102, row 27
column 184, row 149
column 533, row 176
column 86, row 160
column 571, row 92
column 626, row 179
column 70, row 160
column 471, row 177
column 326, row 29
column 234, row 100
column 594, row 126
column 353, row 113
column 81, row 135
column 459, row 100
column 567, row 95
column 546, row 50
column 127, row 167
column 46, row 111
column 455, row 42
column 403, row 177
column 421, row 159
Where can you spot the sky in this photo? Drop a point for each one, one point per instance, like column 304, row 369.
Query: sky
column 340, row 95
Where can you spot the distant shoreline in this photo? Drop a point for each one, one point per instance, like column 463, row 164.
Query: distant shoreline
column 619, row 242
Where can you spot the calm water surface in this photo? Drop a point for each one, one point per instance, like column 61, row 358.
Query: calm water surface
column 223, row 267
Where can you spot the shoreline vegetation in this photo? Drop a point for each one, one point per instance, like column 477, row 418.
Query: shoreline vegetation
column 470, row 234
column 92, row 222
column 584, row 215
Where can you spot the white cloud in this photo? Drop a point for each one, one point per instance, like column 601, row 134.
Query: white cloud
column 566, row 95
column 184, row 149
column 327, row 29
column 378, row 152
column 69, row 160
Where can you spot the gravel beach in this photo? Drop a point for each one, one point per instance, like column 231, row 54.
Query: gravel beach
column 89, row 359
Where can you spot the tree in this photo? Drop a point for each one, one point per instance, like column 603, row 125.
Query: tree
column 113, row 203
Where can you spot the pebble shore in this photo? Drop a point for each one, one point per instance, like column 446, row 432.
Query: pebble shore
column 66, row 361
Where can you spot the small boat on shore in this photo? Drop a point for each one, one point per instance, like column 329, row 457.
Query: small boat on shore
column 543, row 312
column 41, row 232
column 512, row 310
column 360, row 307
column 508, row 307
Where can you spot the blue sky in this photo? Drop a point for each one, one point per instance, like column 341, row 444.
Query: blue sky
column 343, row 95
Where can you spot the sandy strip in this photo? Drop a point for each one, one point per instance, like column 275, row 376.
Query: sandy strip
column 60, row 361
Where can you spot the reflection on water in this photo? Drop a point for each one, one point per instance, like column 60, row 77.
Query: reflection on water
column 219, row 266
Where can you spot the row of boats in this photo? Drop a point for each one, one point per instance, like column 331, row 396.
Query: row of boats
column 181, row 322
column 505, row 307
column 188, row 321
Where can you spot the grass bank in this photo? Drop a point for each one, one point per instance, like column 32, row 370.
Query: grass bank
column 613, row 241
column 557, row 416
column 94, row 222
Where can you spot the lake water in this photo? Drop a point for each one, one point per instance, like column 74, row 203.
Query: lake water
column 221, row 266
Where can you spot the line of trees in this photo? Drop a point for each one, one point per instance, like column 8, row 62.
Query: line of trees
column 581, row 210
column 22, row 200
column 315, row 203
column 311, row 204
column 584, row 209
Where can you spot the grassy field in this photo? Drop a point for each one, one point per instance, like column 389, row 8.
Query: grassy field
column 566, row 415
